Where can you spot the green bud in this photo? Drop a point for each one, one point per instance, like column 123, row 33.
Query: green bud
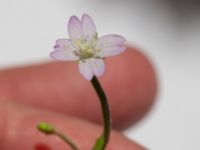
column 46, row 128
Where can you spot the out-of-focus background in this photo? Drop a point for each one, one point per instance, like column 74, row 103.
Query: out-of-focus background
column 168, row 31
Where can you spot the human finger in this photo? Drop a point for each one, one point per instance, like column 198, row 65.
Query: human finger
column 129, row 82
column 18, row 131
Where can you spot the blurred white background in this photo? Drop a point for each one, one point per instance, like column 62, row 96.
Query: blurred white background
column 168, row 31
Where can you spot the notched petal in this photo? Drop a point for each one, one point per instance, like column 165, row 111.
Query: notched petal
column 63, row 55
column 74, row 29
column 98, row 66
column 110, row 40
column 88, row 27
column 111, row 45
column 86, row 69
column 112, row 51
column 62, row 44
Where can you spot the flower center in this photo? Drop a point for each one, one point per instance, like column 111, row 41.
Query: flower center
column 86, row 53
column 86, row 50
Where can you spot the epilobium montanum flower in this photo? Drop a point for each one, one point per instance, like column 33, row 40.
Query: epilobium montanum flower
column 86, row 48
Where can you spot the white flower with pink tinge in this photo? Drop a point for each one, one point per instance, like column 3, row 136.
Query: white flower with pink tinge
column 86, row 48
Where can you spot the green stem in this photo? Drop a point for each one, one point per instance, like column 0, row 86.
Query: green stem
column 103, row 140
column 49, row 129
column 66, row 139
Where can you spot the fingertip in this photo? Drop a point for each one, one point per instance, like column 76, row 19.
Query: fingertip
column 131, row 84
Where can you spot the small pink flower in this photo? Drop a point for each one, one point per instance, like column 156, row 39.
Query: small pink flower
column 86, row 48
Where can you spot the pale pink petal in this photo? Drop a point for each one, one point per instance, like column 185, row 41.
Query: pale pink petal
column 75, row 29
column 98, row 66
column 110, row 40
column 110, row 45
column 63, row 55
column 88, row 27
column 86, row 69
column 111, row 51
column 62, row 44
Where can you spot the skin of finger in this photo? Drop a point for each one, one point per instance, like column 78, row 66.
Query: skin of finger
column 18, row 131
column 129, row 82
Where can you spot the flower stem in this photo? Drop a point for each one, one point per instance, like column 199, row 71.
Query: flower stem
column 104, row 138
column 66, row 140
